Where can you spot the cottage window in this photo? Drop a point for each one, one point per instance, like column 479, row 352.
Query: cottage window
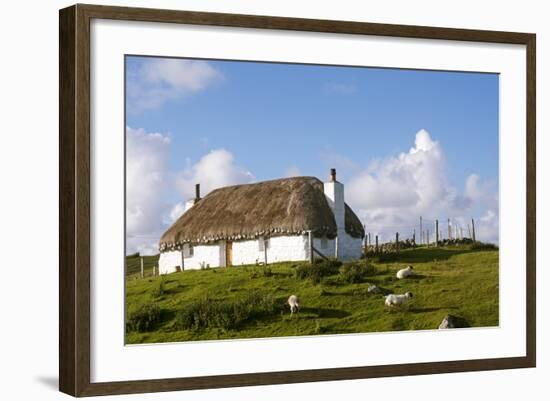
column 263, row 244
column 188, row 251
column 324, row 243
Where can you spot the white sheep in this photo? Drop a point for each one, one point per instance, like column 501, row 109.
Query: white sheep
column 406, row 272
column 397, row 299
column 294, row 303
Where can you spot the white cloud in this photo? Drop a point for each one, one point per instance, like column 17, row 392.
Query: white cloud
column 160, row 80
column 471, row 187
column 487, row 229
column 391, row 194
column 410, row 181
column 214, row 170
column 146, row 168
column 175, row 213
column 149, row 183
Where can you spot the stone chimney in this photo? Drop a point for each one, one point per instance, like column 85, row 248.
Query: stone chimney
column 334, row 192
column 332, row 175
column 191, row 202
column 197, row 192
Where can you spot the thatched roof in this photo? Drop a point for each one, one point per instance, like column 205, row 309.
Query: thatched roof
column 269, row 208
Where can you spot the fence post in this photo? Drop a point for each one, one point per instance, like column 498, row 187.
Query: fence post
column 421, row 232
column 473, row 231
column 376, row 248
column 141, row 259
column 436, row 232
column 397, row 242
column 414, row 236
column 428, row 237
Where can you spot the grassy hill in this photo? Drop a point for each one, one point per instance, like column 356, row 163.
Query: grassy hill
column 249, row 301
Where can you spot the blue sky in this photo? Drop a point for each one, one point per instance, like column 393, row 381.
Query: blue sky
column 276, row 120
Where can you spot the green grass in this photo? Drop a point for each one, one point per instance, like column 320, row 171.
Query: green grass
column 455, row 280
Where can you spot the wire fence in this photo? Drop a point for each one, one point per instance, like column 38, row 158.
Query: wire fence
column 425, row 232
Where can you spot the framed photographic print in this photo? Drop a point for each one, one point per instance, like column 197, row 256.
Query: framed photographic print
column 235, row 189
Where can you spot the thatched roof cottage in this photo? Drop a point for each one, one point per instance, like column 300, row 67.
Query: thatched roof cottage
column 265, row 222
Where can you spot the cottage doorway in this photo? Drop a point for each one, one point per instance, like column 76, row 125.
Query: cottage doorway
column 229, row 253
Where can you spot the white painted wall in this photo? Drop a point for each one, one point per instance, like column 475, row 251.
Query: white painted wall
column 328, row 250
column 280, row 249
column 347, row 247
column 209, row 255
column 334, row 192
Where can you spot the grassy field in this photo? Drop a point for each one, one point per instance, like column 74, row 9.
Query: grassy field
column 455, row 280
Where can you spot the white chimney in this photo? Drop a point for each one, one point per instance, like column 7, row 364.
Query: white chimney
column 334, row 192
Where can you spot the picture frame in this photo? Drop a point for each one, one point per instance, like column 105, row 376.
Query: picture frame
column 76, row 199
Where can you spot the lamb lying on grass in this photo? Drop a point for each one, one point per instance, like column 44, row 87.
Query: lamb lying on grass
column 406, row 272
column 397, row 299
column 294, row 303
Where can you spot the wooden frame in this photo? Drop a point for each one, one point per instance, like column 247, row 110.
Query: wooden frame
column 74, row 200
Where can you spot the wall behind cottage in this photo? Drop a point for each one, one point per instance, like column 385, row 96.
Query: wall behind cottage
column 350, row 248
column 329, row 248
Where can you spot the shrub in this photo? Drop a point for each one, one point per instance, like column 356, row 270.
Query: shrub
column 316, row 271
column 160, row 289
column 398, row 324
column 144, row 318
column 355, row 272
column 319, row 328
column 263, row 303
column 483, row 246
column 212, row 313
column 261, row 271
